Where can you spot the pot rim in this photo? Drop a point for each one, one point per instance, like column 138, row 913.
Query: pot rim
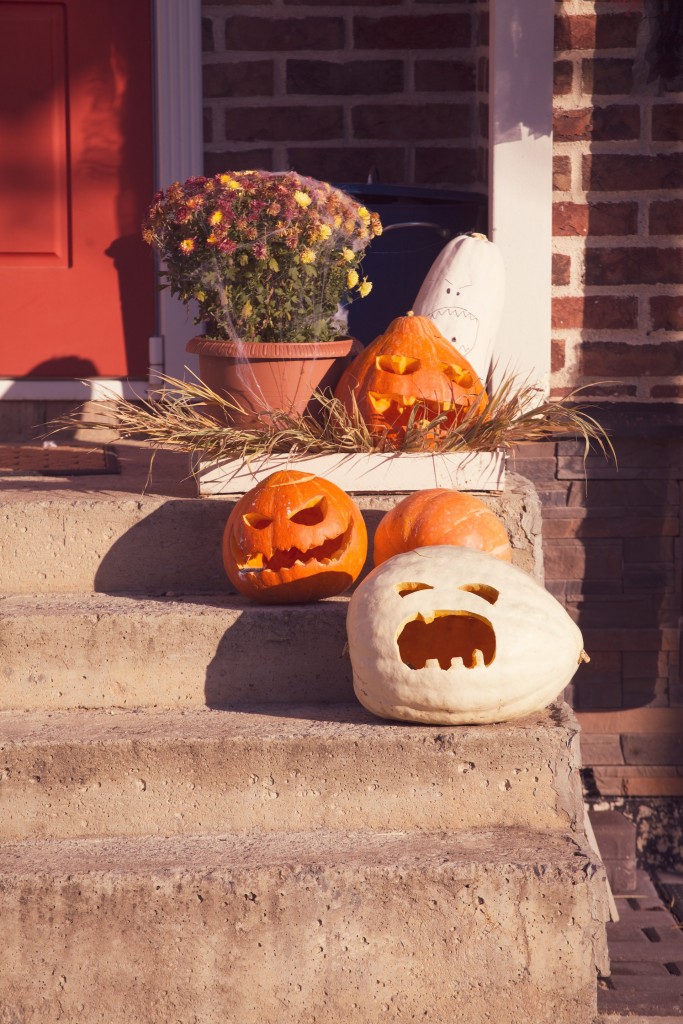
column 248, row 350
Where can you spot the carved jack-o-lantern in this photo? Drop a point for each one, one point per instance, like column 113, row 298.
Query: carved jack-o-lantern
column 447, row 635
column 410, row 369
column 294, row 537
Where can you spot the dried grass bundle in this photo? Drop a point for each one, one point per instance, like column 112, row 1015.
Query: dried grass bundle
column 174, row 418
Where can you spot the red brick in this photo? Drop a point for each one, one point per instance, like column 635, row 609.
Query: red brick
column 563, row 77
column 483, row 115
column 597, row 312
column 445, row 75
column 412, row 32
column 623, row 172
column 572, row 559
column 666, row 217
column 598, row 123
column 244, row 160
column 666, row 391
column 562, row 173
column 407, row 121
column 622, row 639
column 587, row 32
column 666, row 312
column 245, row 32
column 601, row 750
column 246, row 78
column 667, row 122
column 482, row 28
column 621, row 494
column 349, row 163
column 207, row 124
column 256, row 124
column 634, row 266
column 607, row 77
column 589, row 527
column 613, row 219
column 439, row 165
column 649, row 549
column 659, row 750
column 483, row 74
column 561, row 268
column 321, row 77
column 616, row 359
column 207, row 35
column 557, row 355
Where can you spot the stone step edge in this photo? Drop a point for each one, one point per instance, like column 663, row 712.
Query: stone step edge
column 549, row 854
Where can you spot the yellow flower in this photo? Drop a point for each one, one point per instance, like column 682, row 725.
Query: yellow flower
column 307, row 256
column 364, row 214
column 200, row 296
column 187, row 244
column 216, row 217
column 352, row 278
column 364, row 288
column 247, row 309
column 324, row 231
column 302, row 199
column 349, row 255
column 211, row 240
column 225, row 179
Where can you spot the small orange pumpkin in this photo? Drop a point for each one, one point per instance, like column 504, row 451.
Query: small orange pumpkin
column 410, row 367
column 294, row 537
column 440, row 516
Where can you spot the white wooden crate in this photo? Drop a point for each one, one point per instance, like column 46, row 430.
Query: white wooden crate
column 365, row 473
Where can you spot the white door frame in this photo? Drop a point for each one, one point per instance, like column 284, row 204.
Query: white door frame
column 177, row 88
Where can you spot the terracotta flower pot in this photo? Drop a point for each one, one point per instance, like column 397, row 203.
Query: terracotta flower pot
column 263, row 377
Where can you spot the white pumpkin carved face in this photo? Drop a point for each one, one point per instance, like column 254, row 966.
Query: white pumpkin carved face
column 463, row 294
column 448, row 635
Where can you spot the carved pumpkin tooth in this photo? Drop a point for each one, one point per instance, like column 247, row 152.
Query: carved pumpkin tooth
column 410, row 400
column 380, row 403
column 457, row 663
column 479, row 659
column 432, row 663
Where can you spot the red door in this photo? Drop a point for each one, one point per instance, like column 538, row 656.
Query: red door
column 76, row 174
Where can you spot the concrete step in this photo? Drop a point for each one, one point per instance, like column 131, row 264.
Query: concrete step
column 62, row 540
column 323, row 927
column 101, row 650
column 99, row 773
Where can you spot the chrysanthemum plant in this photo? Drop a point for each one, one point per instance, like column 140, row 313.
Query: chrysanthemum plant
column 268, row 257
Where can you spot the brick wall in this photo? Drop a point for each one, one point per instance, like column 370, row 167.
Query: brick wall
column 337, row 90
column 618, row 210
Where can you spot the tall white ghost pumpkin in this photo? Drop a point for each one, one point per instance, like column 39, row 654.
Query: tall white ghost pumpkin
column 450, row 636
column 463, row 294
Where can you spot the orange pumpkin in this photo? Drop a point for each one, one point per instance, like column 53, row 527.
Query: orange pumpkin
column 294, row 537
column 440, row 516
column 411, row 368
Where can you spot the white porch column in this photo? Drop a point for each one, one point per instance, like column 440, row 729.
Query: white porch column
column 520, row 180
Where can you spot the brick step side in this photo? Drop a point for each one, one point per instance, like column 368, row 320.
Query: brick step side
column 360, row 927
column 108, row 773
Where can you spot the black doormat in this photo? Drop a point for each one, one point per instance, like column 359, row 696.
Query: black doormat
column 61, row 460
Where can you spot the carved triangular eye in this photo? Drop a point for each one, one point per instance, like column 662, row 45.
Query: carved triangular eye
column 312, row 513
column 256, row 520
column 403, row 589
column 397, row 364
column 458, row 374
column 483, row 590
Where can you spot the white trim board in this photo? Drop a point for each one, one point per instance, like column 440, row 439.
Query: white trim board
column 13, row 389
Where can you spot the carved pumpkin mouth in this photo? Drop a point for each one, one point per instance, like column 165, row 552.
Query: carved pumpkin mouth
column 447, row 639
column 397, row 409
column 322, row 554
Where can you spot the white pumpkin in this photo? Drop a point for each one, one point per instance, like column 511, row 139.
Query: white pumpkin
column 463, row 294
column 448, row 635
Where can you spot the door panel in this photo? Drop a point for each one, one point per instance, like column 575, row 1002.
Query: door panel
column 76, row 174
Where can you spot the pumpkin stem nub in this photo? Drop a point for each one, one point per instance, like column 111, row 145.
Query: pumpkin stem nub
column 583, row 657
